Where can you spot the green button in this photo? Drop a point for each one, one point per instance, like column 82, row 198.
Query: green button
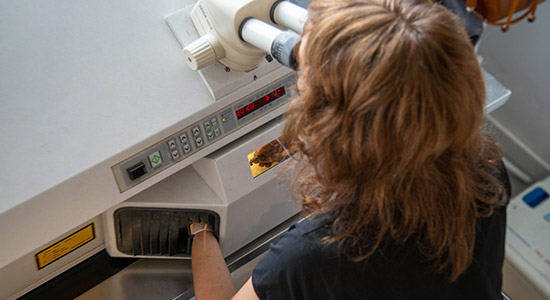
column 155, row 159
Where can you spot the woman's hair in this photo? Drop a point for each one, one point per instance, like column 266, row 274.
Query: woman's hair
column 387, row 127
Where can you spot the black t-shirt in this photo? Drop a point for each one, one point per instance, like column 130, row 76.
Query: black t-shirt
column 300, row 266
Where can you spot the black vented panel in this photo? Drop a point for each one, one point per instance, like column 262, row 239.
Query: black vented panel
column 148, row 231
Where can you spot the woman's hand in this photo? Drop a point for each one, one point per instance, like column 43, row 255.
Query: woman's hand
column 211, row 278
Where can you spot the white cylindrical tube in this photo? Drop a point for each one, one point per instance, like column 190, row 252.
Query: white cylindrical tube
column 279, row 44
column 289, row 15
column 259, row 34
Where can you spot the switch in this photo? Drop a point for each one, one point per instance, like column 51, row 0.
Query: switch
column 172, row 144
column 196, row 131
column 186, row 148
column 199, row 142
column 175, row 154
column 136, row 171
column 183, row 138
column 535, row 197
column 155, row 159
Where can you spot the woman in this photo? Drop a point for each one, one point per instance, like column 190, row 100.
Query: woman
column 405, row 196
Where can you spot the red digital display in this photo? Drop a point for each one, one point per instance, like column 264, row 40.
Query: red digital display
column 253, row 106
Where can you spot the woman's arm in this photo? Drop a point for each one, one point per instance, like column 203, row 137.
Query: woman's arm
column 211, row 277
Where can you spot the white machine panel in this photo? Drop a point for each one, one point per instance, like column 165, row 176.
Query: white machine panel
column 528, row 239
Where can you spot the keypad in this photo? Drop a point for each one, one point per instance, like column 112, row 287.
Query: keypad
column 212, row 128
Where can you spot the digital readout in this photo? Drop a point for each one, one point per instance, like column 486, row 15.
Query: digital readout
column 252, row 107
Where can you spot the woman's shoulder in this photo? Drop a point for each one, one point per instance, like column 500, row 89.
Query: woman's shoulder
column 313, row 226
column 304, row 236
column 300, row 245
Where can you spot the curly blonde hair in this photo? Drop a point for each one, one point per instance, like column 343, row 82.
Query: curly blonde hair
column 387, row 127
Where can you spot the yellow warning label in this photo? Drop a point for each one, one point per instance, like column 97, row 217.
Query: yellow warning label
column 65, row 246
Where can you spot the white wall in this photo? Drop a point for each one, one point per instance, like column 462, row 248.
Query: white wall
column 520, row 59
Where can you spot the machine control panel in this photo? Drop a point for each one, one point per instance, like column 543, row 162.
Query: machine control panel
column 201, row 134
column 527, row 243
